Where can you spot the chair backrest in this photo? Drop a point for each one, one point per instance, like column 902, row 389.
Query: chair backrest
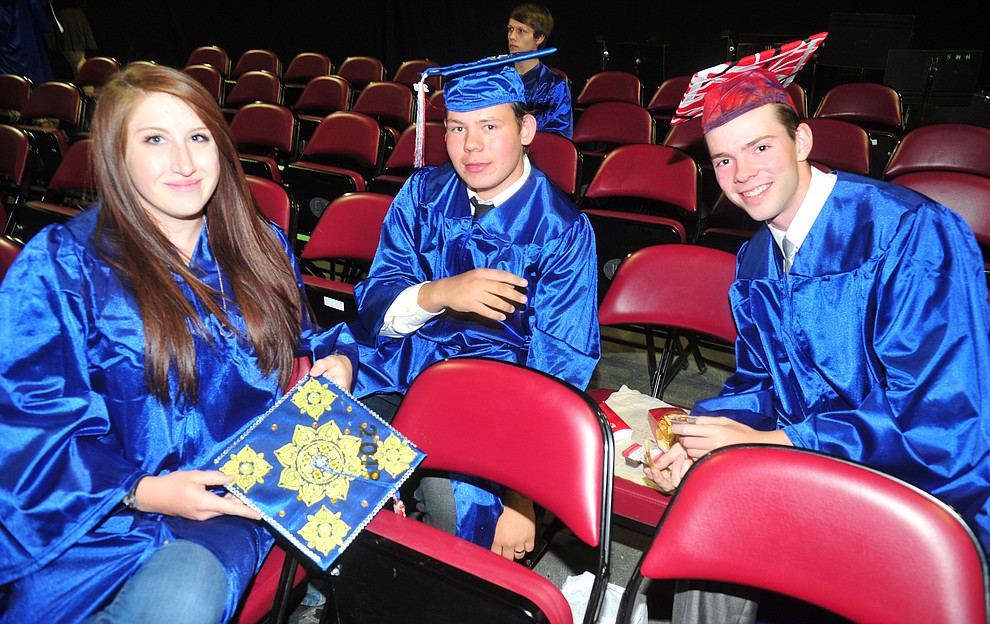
column 75, row 171
column 410, row 72
column 255, row 86
column 62, row 101
column 211, row 55
column 873, row 106
column 442, row 413
column 826, row 530
column 273, row 201
column 269, row 125
column 305, row 66
column 15, row 149
column 675, row 285
column 667, row 97
column 346, row 134
column 15, row 90
column 360, row 70
column 435, row 154
column 958, row 147
column 619, row 123
column 839, row 145
column 349, row 229
column 558, row 157
column 800, row 97
column 964, row 193
column 208, row 76
column 389, row 102
column 96, row 71
column 611, row 86
column 653, row 172
column 9, row 248
column 324, row 95
column 257, row 60
column 436, row 107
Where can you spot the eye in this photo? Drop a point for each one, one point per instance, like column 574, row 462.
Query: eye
column 200, row 138
column 155, row 139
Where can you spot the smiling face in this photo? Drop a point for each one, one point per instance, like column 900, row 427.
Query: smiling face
column 172, row 160
column 760, row 167
column 486, row 147
column 521, row 37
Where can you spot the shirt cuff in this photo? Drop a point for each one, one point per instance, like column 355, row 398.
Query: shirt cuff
column 404, row 316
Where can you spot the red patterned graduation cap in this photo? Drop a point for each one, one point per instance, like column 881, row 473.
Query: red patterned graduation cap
column 784, row 62
column 478, row 84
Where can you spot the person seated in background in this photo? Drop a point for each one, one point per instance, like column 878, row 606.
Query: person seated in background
column 897, row 377
column 482, row 257
column 139, row 339
column 548, row 96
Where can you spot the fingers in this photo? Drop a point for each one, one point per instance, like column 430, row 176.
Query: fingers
column 336, row 368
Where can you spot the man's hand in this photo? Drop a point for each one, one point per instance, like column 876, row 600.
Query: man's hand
column 335, row 367
column 668, row 470
column 708, row 433
column 490, row 293
column 184, row 493
column 515, row 532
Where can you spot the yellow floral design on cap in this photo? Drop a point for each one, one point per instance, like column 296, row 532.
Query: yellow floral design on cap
column 247, row 467
column 394, row 455
column 324, row 531
column 318, row 463
column 314, row 398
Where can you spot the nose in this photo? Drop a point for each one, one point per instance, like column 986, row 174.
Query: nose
column 743, row 170
column 182, row 161
column 472, row 140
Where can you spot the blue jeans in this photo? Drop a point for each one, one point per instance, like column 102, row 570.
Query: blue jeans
column 182, row 582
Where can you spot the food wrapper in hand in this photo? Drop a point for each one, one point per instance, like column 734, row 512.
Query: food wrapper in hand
column 662, row 420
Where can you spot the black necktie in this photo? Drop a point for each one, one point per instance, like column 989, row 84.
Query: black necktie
column 480, row 207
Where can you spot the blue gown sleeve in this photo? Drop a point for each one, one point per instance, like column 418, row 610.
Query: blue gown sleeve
column 50, row 412
column 558, row 117
column 566, row 341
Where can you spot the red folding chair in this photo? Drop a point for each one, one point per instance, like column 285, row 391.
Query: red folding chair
column 274, row 202
column 828, row 531
column 467, row 415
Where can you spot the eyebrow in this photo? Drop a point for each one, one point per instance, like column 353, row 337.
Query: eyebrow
column 748, row 145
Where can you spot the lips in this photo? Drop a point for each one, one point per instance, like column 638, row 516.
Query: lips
column 756, row 192
column 475, row 167
column 184, row 186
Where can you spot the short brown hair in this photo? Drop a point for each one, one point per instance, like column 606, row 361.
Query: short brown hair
column 537, row 17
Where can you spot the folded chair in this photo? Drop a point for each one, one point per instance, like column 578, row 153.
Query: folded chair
column 301, row 69
column 266, row 138
column 832, row 532
column 401, row 161
column 876, row 108
column 274, row 202
column 468, row 414
column 343, row 154
column 322, row 96
column 339, row 253
column 15, row 90
column 642, row 195
column 957, row 147
column 71, row 190
column 681, row 290
column 559, row 158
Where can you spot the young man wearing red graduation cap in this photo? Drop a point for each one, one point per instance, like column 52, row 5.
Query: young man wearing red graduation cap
column 481, row 257
column 898, row 376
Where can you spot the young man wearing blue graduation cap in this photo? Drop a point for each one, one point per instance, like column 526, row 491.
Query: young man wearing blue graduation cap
column 481, row 257
column 898, row 377
column 548, row 96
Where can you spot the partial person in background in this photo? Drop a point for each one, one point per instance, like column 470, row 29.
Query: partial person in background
column 24, row 30
column 548, row 96
column 897, row 377
column 76, row 37
column 139, row 339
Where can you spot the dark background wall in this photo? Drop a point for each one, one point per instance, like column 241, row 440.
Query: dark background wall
column 696, row 33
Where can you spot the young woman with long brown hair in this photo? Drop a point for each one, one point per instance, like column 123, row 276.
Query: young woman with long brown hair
column 138, row 339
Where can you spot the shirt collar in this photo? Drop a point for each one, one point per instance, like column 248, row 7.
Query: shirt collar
column 502, row 197
column 818, row 192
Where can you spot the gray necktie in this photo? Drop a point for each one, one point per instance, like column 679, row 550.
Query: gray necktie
column 789, row 251
column 480, row 207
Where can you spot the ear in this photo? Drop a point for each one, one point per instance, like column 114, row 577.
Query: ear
column 539, row 39
column 527, row 130
column 804, row 140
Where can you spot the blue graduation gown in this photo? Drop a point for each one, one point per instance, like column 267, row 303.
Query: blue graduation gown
column 78, row 427
column 430, row 234
column 549, row 97
column 876, row 346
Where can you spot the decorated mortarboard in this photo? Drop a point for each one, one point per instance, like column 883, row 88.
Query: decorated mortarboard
column 479, row 84
column 784, row 62
column 318, row 466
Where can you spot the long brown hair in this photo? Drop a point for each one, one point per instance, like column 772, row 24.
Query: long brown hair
column 248, row 252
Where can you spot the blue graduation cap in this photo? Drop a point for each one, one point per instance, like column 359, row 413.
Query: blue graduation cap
column 487, row 82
